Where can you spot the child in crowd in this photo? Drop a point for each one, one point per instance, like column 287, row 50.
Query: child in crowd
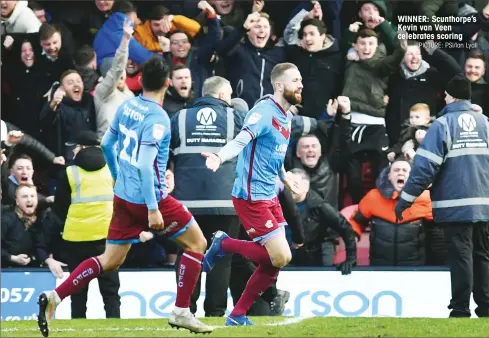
column 412, row 133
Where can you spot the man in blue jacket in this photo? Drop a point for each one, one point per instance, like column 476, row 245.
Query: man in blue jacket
column 110, row 34
column 454, row 158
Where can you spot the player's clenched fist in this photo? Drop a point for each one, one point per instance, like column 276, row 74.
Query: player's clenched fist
column 155, row 220
column 212, row 162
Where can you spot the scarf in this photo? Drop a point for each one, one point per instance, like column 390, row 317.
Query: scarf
column 28, row 220
column 409, row 74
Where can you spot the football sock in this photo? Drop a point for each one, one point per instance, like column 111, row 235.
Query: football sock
column 251, row 250
column 188, row 275
column 80, row 277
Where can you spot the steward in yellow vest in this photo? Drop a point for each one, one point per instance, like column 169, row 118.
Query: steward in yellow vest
column 83, row 201
column 84, row 193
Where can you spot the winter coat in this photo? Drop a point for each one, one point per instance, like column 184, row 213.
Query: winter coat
column 393, row 243
column 365, row 81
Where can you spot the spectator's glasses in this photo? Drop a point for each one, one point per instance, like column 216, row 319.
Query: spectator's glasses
column 179, row 42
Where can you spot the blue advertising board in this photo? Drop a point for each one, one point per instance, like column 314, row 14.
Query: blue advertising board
column 20, row 291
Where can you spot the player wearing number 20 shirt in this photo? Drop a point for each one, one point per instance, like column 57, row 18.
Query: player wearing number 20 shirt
column 139, row 122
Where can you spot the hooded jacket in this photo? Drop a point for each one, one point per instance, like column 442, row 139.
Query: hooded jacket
column 89, row 159
column 386, row 31
column 21, row 20
column 392, row 243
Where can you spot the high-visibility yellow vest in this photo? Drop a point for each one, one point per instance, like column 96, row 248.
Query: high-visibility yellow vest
column 91, row 206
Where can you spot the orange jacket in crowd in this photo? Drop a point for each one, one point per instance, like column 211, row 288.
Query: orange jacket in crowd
column 145, row 36
column 380, row 202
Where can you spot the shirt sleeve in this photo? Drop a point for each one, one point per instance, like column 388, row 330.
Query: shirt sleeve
column 147, row 155
column 362, row 216
column 234, row 147
column 257, row 123
column 108, row 147
column 154, row 132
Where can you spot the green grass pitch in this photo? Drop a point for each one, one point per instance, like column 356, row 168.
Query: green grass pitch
column 266, row 327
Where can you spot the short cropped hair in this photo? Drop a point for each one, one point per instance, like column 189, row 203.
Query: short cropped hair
column 280, row 69
column 155, row 72
column 25, row 185
column 302, row 173
column 477, row 54
column 213, row 84
column 46, row 31
column 400, row 158
column 66, row 73
column 366, row 33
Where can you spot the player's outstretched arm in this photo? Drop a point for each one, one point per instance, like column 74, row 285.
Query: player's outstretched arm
column 107, row 145
column 229, row 151
column 147, row 156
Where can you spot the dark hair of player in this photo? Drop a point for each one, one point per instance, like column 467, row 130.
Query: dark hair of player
column 155, row 73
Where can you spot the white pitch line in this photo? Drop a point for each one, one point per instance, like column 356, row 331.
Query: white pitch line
column 288, row 321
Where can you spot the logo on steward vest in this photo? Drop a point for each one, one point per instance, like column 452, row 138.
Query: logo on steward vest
column 467, row 122
column 206, row 116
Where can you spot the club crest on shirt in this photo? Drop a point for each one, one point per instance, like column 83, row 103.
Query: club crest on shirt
column 158, row 131
column 254, row 118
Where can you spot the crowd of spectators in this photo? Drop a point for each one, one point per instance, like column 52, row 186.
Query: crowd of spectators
column 66, row 67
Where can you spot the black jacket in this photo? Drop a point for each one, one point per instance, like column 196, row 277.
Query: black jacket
column 480, row 95
column 322, row 76
column 318, row 218
column 174, row 102
column 324, row 177
column 252, row 81
column 63, row 125
column 408, row 133
column 427, row 87
column 26, row 87
column 38, row 241
column 29, row 142
column 89, row 159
